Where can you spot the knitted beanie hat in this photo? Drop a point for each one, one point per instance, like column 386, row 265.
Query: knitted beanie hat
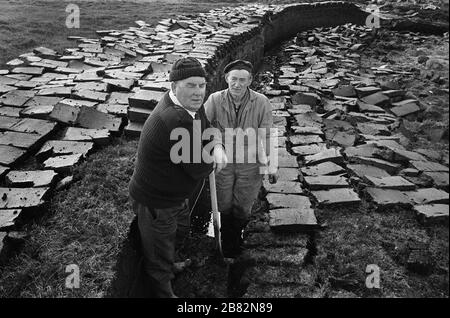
column 186, row 67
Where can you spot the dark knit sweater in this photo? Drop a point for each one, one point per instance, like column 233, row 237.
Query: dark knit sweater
column 158, row 182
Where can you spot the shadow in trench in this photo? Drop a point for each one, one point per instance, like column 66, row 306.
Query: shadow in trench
column 128, row 281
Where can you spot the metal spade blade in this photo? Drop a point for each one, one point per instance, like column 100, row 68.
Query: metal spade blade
column 215, row 213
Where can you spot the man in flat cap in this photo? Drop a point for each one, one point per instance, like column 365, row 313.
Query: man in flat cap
column 245, row 113
column 162, row 184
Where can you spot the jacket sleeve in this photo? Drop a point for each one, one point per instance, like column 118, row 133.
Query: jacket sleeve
column 211, row 116
column 209, row 109
column 267, row 123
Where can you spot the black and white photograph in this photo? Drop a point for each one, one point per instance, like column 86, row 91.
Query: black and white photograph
column 234, row 156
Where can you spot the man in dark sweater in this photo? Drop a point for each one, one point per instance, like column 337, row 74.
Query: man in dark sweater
column 164, row 179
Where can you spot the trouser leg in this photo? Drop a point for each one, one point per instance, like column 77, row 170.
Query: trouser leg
column 246, row 189
column 225, row 181
column 224, row 185
column 245, row 192
column 237, row 188
column 183, row 227
column 158, row 229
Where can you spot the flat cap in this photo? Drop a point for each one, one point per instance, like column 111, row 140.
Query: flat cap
column 239, row 65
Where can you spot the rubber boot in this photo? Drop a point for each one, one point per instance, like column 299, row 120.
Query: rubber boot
column 226, row 231
column 239, row 227
column 233, row 238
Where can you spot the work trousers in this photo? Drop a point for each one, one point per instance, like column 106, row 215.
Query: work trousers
column 237, row 186
column 161, row 231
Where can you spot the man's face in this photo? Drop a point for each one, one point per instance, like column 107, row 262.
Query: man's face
column 190, row 92
column 238, row 81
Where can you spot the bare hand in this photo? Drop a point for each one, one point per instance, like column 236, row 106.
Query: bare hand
column 220, row 158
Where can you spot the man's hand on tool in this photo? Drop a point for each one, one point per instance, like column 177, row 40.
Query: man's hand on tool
column 273, row 174
column 273, row 178
column 270, row 170
column 220, row 158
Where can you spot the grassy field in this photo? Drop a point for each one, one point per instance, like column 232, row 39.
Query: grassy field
column 86, row 226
